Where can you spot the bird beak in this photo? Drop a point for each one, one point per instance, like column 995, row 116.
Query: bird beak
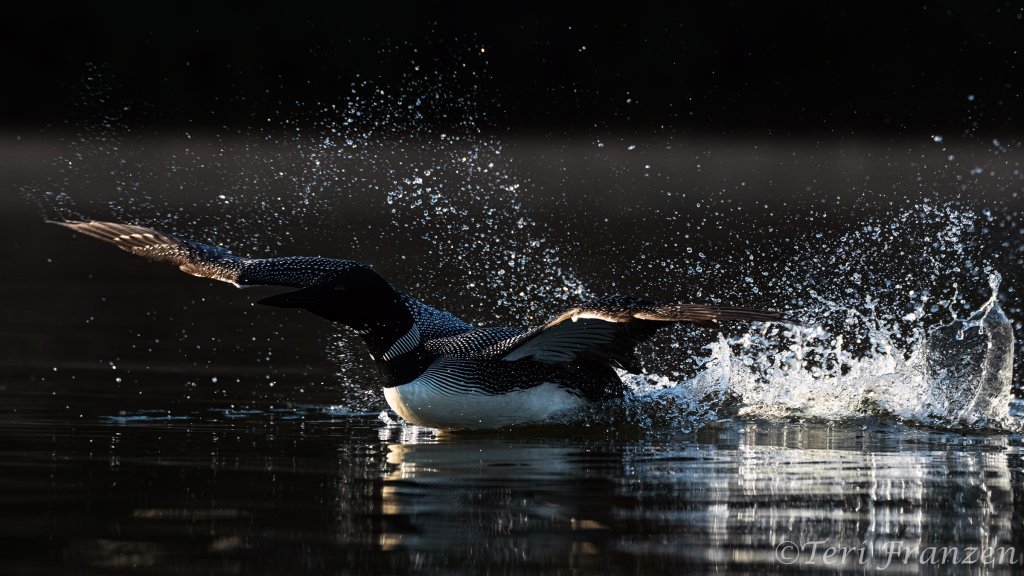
column 297, row 299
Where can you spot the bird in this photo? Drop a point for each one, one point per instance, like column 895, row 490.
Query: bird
column 437, row 370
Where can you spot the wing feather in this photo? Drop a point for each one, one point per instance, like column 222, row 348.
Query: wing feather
column 208, row 261
column 611, row 327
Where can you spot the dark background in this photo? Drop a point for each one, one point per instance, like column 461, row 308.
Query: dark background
column 846, row 69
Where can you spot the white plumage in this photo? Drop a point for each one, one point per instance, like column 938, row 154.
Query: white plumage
column 423, row 402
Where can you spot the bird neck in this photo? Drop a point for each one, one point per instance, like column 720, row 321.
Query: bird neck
column 395, row 344
column 389, row 330
column 404, row 368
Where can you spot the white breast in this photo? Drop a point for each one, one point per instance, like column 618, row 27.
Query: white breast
column 423, row 403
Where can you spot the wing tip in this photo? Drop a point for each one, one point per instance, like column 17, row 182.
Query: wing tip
column 67, row 223
column 709, row 315
column 786, row 318
column 125, row 236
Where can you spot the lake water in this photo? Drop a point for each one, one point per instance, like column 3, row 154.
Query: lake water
column 157, row 423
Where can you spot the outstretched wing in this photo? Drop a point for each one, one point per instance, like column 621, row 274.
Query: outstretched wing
column 610, row 328
column 219, row 263
column 207, row 261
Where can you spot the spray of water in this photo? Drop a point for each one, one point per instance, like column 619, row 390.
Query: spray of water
column 892, row 323
column 917, row 348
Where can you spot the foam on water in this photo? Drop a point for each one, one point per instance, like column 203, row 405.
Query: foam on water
column 956, row 375
column 894, row 329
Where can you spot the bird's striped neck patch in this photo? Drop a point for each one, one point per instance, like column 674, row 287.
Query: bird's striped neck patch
column 410, row 340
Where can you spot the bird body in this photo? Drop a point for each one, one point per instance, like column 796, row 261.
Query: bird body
column 431, row 401
column 436, row 369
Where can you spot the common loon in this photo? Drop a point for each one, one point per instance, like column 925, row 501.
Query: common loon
column 439, row 371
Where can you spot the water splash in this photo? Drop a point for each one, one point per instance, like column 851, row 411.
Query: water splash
column 954, row 375
column 969, row 366
column 892, row 325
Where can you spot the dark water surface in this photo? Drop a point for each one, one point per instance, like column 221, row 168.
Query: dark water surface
column 157, row 423
column 304, row 489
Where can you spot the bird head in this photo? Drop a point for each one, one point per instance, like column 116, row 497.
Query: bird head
column 353, row 295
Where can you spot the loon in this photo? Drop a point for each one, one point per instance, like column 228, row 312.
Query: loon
column 437, row 370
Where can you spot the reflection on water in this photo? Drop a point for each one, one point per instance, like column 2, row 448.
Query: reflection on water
column 640, row 506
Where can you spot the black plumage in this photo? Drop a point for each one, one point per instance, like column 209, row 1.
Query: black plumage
column 410, row 341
